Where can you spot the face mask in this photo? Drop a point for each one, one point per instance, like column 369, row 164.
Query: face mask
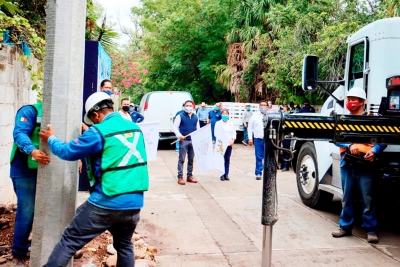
column 216, row 108
column 248, row 108
column 270, row 105
column 225, row 117
column 108, row 92
column 188, row 109
column 125, row 108
column 263, row 110
column 130, row 109
column 352, row 105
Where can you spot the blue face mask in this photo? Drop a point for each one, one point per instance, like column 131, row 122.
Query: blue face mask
column 130, row 109
column 216, row 108
column 225, row 117
column 108, row 92
column 188, row 109
column 248, row 108
column 263, row 110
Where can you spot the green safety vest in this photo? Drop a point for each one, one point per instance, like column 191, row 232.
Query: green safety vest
column 32, row 163
column 123, row 160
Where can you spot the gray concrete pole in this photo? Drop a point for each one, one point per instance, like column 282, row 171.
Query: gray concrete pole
column 62, row 108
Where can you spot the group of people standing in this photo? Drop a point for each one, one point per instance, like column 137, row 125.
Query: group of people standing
column 187, row 121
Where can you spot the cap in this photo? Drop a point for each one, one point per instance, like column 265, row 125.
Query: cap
column 132, row 105
column 203, row 104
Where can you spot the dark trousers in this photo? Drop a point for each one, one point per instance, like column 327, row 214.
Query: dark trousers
column 286, row 155
column 185, row 147
column 227, row 158
column 203, row 123
column 89, row 222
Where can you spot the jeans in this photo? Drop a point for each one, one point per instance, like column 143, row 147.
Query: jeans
column 286, row 155
column 89, row 222
column 363, row 179
column 186, row 147
column 245, row 134
column 259, row 150
column 227, row 159
column 25, row 189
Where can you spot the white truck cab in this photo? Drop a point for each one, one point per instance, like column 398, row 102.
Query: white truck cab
column 371, row 58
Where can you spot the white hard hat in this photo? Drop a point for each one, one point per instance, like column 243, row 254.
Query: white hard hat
column 357, row 92
column 91, row 102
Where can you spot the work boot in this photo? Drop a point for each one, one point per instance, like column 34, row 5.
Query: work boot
column 341, row 233
column 222, row 178
column 191, row 180
column 258, row 177
column 372, row 238
column 226, row 178
column 181, row 181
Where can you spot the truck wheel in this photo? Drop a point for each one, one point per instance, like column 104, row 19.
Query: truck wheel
column 308, row 180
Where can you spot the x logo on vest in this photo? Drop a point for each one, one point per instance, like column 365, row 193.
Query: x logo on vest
column 132, row 149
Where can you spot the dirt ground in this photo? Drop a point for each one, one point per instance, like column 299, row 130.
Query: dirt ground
column 96, row 250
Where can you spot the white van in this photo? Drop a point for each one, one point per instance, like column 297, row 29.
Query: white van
column 162, row 106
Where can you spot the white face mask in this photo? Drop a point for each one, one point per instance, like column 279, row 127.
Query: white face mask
column 188, row 109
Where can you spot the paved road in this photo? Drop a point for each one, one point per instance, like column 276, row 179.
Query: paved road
column 216, row 223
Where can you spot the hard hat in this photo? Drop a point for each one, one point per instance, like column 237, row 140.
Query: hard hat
column 357, row 92
column 91, row 103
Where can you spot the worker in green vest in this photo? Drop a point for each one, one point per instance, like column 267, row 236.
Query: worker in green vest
column 116, row 156
column 25, row 156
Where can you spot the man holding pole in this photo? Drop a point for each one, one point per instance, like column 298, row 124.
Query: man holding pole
column 185, row 123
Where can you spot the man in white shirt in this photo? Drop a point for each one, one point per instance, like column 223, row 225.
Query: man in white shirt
column 124, row 112
column 256, row 131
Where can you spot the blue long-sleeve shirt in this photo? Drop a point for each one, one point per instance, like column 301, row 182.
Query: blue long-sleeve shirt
column 25, row 121
column 137, row 117
column 376, row 149
column 90, row 145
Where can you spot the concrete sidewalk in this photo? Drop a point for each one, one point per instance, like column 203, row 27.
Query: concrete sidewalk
column 215, row 223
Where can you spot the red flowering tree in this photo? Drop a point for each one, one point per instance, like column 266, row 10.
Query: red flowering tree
column 128, row 73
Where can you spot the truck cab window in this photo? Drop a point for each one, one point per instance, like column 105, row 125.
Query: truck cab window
column 356, row 63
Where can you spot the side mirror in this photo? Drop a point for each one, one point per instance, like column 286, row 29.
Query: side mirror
column 310, row 73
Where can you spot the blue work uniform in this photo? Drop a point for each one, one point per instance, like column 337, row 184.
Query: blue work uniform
column 137, row 117
column 214, row 116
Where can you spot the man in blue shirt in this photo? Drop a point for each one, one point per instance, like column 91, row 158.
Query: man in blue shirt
column 118, row 170
column 23, row 175
column 307, row 108
column 202, row 114
column 136, row 116
column 356, row 175
column 214, row 116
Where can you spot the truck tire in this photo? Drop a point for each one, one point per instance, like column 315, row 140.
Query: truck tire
column 307, row 178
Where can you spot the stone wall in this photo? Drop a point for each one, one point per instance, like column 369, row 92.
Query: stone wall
column 15, row 91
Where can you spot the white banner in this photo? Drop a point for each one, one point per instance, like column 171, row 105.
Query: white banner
column 151, row 137
column 203, row 149
column 221, row 143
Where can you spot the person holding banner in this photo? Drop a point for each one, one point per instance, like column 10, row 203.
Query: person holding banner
column 228, row 129
column 185, row 123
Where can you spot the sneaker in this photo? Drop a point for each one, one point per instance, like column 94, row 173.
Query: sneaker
column 372, row 238
column 258, row 177
column 226, row 178
column 222, row 178
column 181, row 181
column 244, row 143
column 341, row 233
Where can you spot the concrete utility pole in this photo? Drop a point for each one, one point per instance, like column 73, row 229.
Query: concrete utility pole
column 62, row 108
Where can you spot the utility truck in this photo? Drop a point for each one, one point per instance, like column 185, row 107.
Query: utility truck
column 372, row 63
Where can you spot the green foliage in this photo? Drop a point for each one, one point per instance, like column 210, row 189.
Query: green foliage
column 184, row 40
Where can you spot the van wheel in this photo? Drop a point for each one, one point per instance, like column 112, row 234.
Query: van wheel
column 308, row 180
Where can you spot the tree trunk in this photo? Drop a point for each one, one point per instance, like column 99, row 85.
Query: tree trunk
column 62, row 108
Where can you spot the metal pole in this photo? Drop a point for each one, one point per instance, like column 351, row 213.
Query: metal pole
column 267, row 246
column 269, row 214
